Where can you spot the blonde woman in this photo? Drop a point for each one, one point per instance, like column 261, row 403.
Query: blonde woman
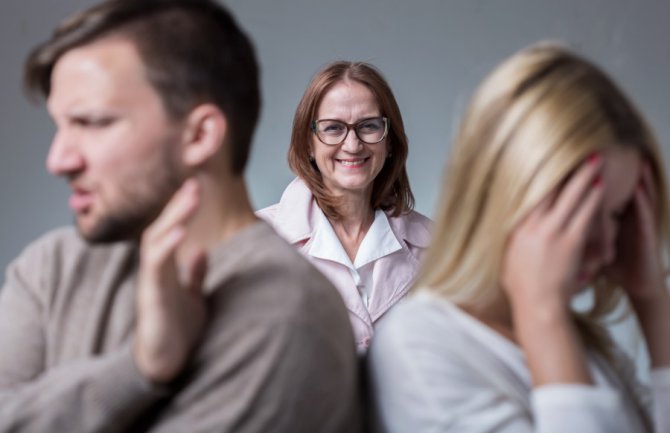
column 555, row 185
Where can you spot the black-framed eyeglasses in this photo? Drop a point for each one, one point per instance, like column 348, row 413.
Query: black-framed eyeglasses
column 333, row 132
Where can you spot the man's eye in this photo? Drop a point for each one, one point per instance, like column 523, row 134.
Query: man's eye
column 93, row 122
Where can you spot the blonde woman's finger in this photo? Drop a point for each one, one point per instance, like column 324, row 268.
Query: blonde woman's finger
column 585, row 212
column 645, row 211
column 576, row 189
column 648, row 184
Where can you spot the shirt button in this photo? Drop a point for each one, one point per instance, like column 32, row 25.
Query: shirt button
column 366, row 341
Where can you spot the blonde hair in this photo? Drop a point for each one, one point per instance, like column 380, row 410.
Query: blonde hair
column 530, row 123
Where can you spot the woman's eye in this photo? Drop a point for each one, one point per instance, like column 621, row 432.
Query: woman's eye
column 369, row 127
column 333, row 128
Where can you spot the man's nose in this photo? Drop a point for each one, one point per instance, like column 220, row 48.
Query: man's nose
column 64, row 157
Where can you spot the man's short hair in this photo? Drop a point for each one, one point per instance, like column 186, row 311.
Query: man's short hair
column 193, row 51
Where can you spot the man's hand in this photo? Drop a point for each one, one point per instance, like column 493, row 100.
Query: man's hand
column 170, row 305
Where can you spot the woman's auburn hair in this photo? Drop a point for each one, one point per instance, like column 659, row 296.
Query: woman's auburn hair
column 391, row 191
column 528, row 126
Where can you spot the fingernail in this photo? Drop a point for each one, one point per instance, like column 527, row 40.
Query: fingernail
column 598, row 181
column 593, row 158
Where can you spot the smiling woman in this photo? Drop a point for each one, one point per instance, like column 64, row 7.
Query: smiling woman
column 348, row 163
column 350, row 209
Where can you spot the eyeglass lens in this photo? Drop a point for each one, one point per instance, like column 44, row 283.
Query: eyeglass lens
column 369, row 131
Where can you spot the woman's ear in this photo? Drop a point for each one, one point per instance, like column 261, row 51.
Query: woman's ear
column 206, row 128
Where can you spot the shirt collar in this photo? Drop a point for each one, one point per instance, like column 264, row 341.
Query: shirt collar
column 325, row 243
column 378, row 242
column 299, row 214
column 298, row 211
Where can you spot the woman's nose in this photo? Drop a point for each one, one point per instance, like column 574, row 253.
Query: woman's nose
column 351, row 142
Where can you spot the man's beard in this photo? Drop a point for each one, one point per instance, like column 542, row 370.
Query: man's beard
column 142, row 205
column 123, row 226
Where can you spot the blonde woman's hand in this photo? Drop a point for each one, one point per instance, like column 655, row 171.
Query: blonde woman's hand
column 170, row 309
column 544, row 251
column 637, row 267
column 541, row 265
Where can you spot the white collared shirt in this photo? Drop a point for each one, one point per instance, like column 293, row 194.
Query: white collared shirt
column 378, row 242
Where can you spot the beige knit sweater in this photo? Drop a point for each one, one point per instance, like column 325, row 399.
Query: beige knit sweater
column 277, row 354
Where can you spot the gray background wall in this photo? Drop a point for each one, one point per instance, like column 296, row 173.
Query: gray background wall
column 433, row 53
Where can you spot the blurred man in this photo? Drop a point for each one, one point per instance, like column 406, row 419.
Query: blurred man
column 170, row 307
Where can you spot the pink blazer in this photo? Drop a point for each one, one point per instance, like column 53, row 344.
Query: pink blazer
column 294, row 218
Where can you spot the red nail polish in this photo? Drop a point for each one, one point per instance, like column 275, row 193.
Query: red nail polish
column 593, row 158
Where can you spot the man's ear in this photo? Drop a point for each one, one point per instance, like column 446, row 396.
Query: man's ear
column 205, row 129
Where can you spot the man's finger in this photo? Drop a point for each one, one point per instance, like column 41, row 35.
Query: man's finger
column 178, row 210
column 196, row 273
